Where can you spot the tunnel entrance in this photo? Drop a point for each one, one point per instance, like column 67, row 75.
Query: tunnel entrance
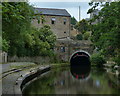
column 80, row 64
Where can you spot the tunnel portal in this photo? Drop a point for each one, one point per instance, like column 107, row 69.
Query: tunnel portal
column 80, row 64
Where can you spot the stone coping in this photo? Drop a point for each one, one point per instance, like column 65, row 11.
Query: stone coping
column 27, row 78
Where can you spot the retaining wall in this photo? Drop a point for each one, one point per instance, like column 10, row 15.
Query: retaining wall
column 22, row 81
column 36, row 59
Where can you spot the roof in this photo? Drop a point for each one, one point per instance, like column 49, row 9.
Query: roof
column 53, row 12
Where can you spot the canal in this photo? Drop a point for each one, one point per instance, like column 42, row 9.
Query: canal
column 65, row 80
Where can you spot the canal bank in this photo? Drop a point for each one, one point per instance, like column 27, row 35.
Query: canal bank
column 10, row 82
column 14, row 82
column 20, row 80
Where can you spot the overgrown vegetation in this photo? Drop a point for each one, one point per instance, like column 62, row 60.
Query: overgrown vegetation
column 97, row 60
column 82, row 26
column 86, row 35
column 83, row 29
column 73, row 21
column 19, row 37
column 106, row 32
column 79, row 37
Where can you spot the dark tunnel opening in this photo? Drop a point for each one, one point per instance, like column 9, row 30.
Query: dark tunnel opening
column 80, row 65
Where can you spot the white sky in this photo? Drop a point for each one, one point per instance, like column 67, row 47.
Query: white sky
column 60, row 0
column 72, row 6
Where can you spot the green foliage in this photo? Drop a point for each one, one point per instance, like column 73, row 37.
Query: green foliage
column 5, row 45
column 23, row 39
column 73, row 21
column 106, row 33
column 82, row 26
column 16, row 21
column 86, row 35
column 40, row 41
column 117, row 60
column 98, row 60
column 79, row 37
column 0, row 43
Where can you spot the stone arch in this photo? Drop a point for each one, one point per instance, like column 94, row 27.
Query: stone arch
column 80, row 65
column 79, row 51
column 80, row 57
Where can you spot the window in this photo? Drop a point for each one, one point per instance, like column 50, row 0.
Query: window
column 42, row 21
column 62, row 49
column 72, row 27
column 64, row 21
column 53, row 21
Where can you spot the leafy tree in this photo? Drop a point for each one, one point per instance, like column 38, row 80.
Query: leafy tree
column 79, row 36
column 16, row 19
column 106, row 33
column 40, row 41
column 86, row 35
column 4, row 44
column 82, row 26
column 98, row 60
column 73, row 21
column 0, row 43
column 24, row 40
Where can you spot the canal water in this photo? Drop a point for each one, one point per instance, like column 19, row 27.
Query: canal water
column 65, row 80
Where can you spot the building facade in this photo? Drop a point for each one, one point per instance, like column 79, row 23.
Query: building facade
column 58, row 19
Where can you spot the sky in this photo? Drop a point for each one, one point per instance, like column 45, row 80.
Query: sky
column 72, row 6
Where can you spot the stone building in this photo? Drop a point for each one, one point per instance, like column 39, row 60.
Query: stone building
column 60, row 23
column 58, row 19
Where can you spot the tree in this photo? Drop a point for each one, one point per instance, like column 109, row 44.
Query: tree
column 46, row 39
column 19, row 37
column 16, row 19
column 79, row 36
column 86, row 35
column 73, row 21
column 82, row 26
column 40, row 42
column 106, row 33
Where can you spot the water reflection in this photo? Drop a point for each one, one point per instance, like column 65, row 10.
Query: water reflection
column 61, row 81
column 80, row 72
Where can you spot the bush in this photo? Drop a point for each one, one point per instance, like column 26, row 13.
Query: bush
column 86, row 35
column 5, row 45
column 117, row 60
column 98, row 60
column 79, row 37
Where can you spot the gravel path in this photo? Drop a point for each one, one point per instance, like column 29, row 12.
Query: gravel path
column 9, row 81
column 7, row 66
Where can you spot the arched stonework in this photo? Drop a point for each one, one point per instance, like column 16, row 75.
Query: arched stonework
column 79, row 51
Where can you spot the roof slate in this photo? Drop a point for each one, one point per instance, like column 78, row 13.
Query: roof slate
column 54, row 12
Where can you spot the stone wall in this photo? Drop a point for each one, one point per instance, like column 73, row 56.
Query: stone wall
column 60, row 29
column 37, row 59
column 3, row 57
column 73, row 32
column 66, row 47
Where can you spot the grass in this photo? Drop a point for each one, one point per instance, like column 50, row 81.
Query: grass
column 54, row 65
column 22, row 66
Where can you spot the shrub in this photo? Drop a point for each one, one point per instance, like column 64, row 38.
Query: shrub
column 79, row 37
column 86, row 35
column 117, row 60
column 98, row 60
